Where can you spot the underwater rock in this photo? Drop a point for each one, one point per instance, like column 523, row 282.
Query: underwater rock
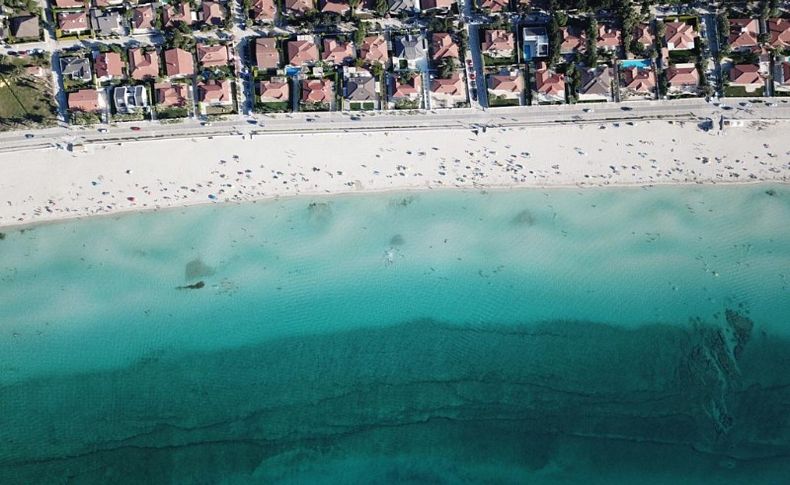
column 770, row 192
column 195, row 286
column 742, row 330
column 524, row 217
column 320, row 211
column 197, row 269
column 397, row 240
column 404, row 201
column 2, row 236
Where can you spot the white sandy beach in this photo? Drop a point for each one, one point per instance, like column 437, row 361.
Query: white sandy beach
column 52, row 184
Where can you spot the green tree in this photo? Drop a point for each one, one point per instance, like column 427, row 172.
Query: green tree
column 382, row 7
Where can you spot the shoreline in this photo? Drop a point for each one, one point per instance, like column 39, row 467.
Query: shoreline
column 111, row 179
column 26, row 226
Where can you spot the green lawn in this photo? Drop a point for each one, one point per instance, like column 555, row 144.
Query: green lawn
column 24, row 100
column 279, row 107
column 494, row 101
column 740, row 92
column 171, row 113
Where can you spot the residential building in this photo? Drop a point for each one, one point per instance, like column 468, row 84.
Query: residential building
column 743, row 34
column 263, row 10
column 266, row 54
column 171, row 95
column 298, row 7
column 782, row 75
column 108, row 65
column 68, row 3
column 212, row 55
column 402, row 6
column 573, row 40
column 536, row 43
column 493, row 5
column 443, row 45
column 448, row 92
column 638, row 81
column 106, row 23
column 72, row 22
column 643, row 34
column 175, row 14
column 336, row 52
column 179, row 63
column 143, row 64
column 608, row 38
column 374, row 49
column 318, row 91
column 215, row 92
column 143, row 18
column 85, row 100
column 107, row 3
column 498, row 43
column 275, row 90
column 778, row 33
column 746, row 75
column 683, row 79
column 76, row 68
column 213, row 13
column 337, row 7
column 130, row 99
column 359, row 88
column 549, row 85
column 25, row 27
column 507, row 85
column 680, row 36
column 410, row 52
column 406, row 90
column 596, row 84
column 302, row 52
column 436, row 4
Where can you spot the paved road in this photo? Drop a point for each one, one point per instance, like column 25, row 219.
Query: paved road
column 334, row 122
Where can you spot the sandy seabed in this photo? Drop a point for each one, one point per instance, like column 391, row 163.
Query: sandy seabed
column 53, row 184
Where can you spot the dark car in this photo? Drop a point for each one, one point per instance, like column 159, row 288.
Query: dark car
column 29, row 135
column 134, row 128
column 626, row 108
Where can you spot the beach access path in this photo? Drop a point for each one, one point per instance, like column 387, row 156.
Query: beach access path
column 108, row 173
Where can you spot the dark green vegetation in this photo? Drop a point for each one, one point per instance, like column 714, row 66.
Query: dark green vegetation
column 25, row 100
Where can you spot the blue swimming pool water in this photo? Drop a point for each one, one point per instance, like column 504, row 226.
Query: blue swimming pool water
column 640, row 63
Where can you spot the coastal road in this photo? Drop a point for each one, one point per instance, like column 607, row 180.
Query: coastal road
column 338, row 122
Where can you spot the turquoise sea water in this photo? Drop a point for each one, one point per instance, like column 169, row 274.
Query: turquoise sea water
column 535, row 336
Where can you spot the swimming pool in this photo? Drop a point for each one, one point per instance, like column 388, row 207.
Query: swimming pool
column 640, row 63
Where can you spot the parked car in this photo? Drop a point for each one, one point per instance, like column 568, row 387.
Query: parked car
column 29, row 135
column 134, row 128
column 102, row 130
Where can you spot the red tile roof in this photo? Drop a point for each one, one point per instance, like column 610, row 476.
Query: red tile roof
column 338, row 52
column 171, row 94
column 274, row 90
column 109, row 64
column 374, row 49
column 407, row 89
column 302, row 52
column 745, row 74
column 72, row 21
column 443, row 45
column 263, row 10
column 639, row 80
column 743, row 33
column 453, row 86
column 212, row 55
column 179, row 62
column 143, row 16
column 266, row 54
column 779, row 32
column 84, row 100
column 680, row 35
column 215, row 91
column 174, row 14
column 506, row 82
column 317, row 90
column 683, row 75
column 335, row 6
column 549, row 82
column 143, row 64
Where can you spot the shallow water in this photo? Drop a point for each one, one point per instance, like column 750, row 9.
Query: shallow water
column 445, row 337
